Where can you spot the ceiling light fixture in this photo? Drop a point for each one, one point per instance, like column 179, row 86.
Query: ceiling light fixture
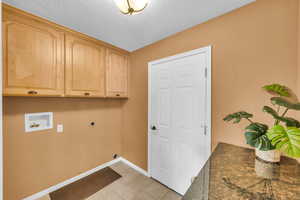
column 131, row 7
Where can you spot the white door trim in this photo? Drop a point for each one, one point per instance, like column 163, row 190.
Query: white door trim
column 206, row 50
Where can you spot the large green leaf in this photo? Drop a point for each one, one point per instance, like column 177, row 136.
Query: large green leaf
column 290, row 122
column 238, row 116
column 286, row 140
column 285, row 103
column 271, row 111
column 256, row 137
column 277, row 89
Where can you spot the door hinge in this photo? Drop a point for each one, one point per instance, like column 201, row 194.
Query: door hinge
column 205, row 72
column 205, row 130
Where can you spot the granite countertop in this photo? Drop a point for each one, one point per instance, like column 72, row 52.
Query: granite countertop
column 233, row 173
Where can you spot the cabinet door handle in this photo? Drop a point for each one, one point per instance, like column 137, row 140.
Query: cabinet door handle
column 32, row 92
column 87, row 94
column 118, row 95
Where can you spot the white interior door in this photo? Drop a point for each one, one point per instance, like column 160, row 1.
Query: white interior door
column 179, row 118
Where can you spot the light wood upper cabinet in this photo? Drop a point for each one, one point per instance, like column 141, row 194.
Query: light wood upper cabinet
column 43, row 59
column 85, row 68
column 117, row 74
column 33, row 58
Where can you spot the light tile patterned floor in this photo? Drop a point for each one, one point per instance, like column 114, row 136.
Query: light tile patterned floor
column 132, row 186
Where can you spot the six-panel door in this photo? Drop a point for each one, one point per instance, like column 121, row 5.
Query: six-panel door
column 85, row 68
column 33, row 58
column 116, row 74
column 179, row 146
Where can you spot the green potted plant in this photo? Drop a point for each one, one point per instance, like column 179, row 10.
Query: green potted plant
column 283, row 136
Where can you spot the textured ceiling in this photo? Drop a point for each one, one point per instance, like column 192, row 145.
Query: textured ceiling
column 102, row 20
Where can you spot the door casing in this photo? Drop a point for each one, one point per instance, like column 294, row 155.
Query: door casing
column 207, row 51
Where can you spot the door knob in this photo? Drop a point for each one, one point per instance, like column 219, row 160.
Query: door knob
column 153, row 128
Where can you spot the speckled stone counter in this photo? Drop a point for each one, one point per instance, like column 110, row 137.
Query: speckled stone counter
column 233, row 173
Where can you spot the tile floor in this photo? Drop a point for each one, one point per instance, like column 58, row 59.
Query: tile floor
column 132, row 186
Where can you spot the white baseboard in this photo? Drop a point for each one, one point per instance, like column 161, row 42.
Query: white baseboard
column 69, row 181
column 135, row 167
column 80, row 176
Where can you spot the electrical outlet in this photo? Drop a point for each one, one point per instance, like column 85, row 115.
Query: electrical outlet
column 60, row 128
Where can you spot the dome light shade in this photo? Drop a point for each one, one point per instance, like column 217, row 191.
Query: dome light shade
column 130, row 7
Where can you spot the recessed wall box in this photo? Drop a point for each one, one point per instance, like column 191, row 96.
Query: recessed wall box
column 38, row 121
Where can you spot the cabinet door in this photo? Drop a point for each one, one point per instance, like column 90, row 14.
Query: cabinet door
column 33, row 58
column 117, row 74
column 85, row 68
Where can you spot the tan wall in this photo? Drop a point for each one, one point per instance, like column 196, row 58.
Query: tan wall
column 252, row 46
column 36, row 161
